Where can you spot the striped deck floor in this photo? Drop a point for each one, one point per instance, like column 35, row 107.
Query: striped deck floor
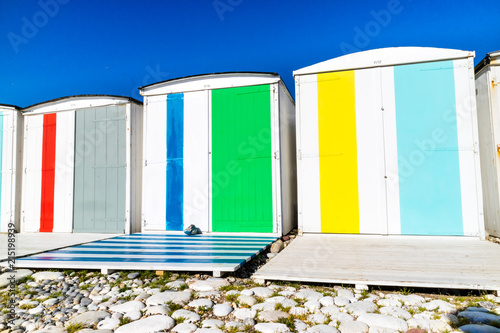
column 155, row 252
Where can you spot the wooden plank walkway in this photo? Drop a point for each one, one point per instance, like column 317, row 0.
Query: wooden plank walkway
column 406, row 261
column 159, row 252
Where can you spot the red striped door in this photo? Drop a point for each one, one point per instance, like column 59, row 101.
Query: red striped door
column 48, row 172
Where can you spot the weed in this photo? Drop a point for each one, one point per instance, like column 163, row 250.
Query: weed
column 436, row 316
column 56, row 294
column 180, row 320
column 259, row 299
column 495, row 323
column 461, row 322
column 231, row 329
column 25, row 279
column 411, row 311
column 124, row 321
column 421, row 309
column 202, row 310
column 123, row 289
column 288, row 321
column 299, row 300
column 127, row 297
column 274, row 294
column 174, row 306
column 75, row 327
column 279, row 306
column 406, row 291
column 364, row 294
column 27, row 306
column 183, row 287
column 231, row 287
column 248, row 328
column 231, row 297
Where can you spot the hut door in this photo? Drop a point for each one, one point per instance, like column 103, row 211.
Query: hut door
column 242, row 170
column 100, row 170
column 7, row 163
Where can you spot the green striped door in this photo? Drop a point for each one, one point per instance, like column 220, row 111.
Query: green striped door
column 100, row 170
column 242, row 196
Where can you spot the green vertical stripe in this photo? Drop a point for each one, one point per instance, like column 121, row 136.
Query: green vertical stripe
column 242, row 198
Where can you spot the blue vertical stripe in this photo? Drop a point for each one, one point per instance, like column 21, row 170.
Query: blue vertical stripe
column 427, row 140
column 175, row 163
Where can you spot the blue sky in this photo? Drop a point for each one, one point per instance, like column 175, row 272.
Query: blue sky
column 55, row 48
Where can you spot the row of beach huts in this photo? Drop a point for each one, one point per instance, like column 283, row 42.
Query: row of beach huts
column 395, row 141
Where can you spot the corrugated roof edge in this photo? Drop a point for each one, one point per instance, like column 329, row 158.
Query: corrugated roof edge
column 207, row 74
column 485, row 61
column 130, row 99
column 11, row 106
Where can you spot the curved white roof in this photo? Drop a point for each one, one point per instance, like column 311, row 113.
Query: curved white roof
column 384, row 57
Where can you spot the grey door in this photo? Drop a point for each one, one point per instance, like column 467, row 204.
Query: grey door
column 100, row 170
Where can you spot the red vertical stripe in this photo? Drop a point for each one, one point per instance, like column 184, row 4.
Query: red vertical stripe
column 48, row 172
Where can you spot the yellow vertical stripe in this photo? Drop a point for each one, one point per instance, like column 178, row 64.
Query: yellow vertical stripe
column 337, row 153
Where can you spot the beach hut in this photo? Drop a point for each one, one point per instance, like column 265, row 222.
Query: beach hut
column 10, row 166
column 82, row 165
column 219, row 153
column 488, row 109
column 387, row 143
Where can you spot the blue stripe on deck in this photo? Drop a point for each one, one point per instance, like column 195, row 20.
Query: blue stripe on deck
column 175, row 162
column 146, row 249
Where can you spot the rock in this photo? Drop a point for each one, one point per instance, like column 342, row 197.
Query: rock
column 36, row 311
column 327, row 301
column 286, row 302
column 212, row 323
column 353, row 327
column 40, row 276
column 317, row 318
column 209, row 284
column 52, row 329
column 233, row 292
column 184, row 328
column 189, row 316
column 479, row 317
column 177, row 284
column 206, row 294
column 419, row 323
column 300, row 325
column 341, row 317
column 341, row 301
column 389, row 302
column 416, row 330
column 272, row 328
column 222, row 310
column 449, row 319
column 272, row 315
column 277, row 246
column 287, row 293
column 147, row 325
column 109, row 324
column 271, row 255
column 202, row 302
column 309, row 295
column 264, row 306
column 133, row 275
column 342, row 292
column 261, row 292
column 441, row 305
column 244, row 313
column 49, row 302
column 18, row 274
column 474, row 328
column 247, row 300
column 312, row 306
column 439, row 326
column 298, row 311
column 329, row 310
column 134, row 314
column 234, row 325
column 395, row 312
column 372, row 319
column 178, row 297
column 322, row 329
column 127, row 307
column 359, row 308
column 208, row 330
column 157, row 309
column 85, row 301
column 89, row 318
column 410, row 300
column 247, row 292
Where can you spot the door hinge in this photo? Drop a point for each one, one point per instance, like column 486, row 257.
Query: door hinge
column 299, row 155
column 145, row 163
column 144, row 223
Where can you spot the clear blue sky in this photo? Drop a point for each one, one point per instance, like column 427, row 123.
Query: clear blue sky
column 55, row 48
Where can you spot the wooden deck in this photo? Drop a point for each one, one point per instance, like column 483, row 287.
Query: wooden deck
column 413, row 261
column 159, row 252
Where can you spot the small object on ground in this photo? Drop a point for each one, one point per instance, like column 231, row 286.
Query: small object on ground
column 192, row 230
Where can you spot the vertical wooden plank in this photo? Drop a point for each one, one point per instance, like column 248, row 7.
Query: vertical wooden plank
column 338, row 153
column 2, row 190
column 48, row 172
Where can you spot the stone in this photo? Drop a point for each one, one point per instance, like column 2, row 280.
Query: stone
column 439, row 304
column 142, row 297
column 264, row 306
column 298, row 311
column 244, row 313
column 342, row 292
column 474, row 328
column 85, row 301
column 209, row 284
column 341, row 301
column 18, row 274
column 449, row 318
column 322, row 329
column 177, row 284
column 439, row 326
column 109, row 324
column 178, row 297
column 317, row 318
column 205, row 294
column 184, row 328
column 277, row 246
column 416, row 330
column 309, row 295
column 379, row 320
column 262, row 292
column 212, row 323
column 246, row 300
column 40, row 276
column 134, row 314
column 208, row 330
column 202, row 302
column 89, row 318
column 353, row 327
column 329, row 310
column 327, row 301
column 157, row 309
column 376, row 329
column 419, row 323
column 389, row 302
column 286, row 302
column 233, row 292
column 234, row 325
column 222, row 310
column 271, row 316
column 312, row 306
column 127, row 306
column 479, row 317
column 359, row 308
column 410, row 300
column 133, row 275
column 247, row 292
column 287, row 293
column 272, row 328
column 147, row 325
column 300, row 325
column 189, row 316
column 49, row 302
column 271, row 255
column 52, row 329
column 395, row 312
column 36, row 311
column 341, row 317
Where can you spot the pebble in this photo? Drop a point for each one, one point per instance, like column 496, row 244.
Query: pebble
column 272, row 315
column 41, row 276
column 246, row 300
column 184, row 328
column 189, row 316
column 244, row 313
column 222, row 310
column 353, row 327
column 379, row 320
column 89, row 318
column 209, row 284
column 272, row 328
column 479, row 317
column 203, row 302
column 262, row 291
column 127, row 307
column 341, row 301
column 212, row 323
column 309, row 295
column 322, row 328
column 474, row 328
column 17, row 274
column 147, row 325
column 178, row 297
column 359, row 308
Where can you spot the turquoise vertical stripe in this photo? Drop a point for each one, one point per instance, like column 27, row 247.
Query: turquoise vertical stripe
column 1, row 163
column 427, row 140
column 175, row 162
